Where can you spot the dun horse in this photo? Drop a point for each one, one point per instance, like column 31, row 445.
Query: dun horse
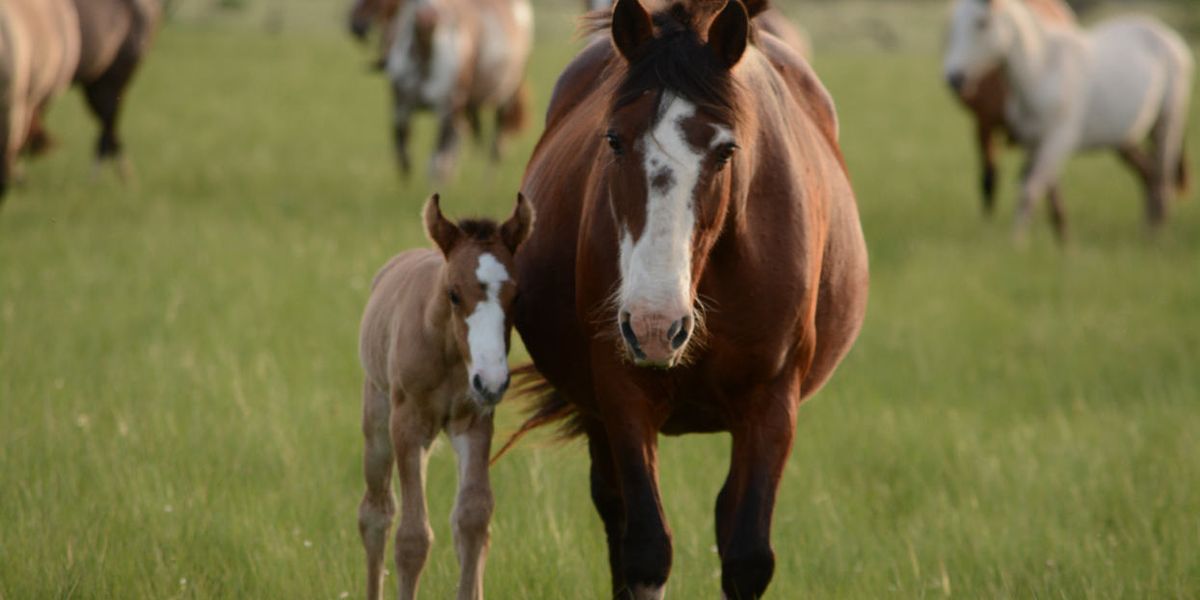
column 39, row 50
column 698, row 267
column 434, row 347
column 988, row 98
column 455, row 58
column 1113, row 87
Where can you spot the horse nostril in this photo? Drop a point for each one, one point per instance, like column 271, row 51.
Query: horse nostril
column 679, row 332
column 478, row 383
column 956, row 81
column 630, row 338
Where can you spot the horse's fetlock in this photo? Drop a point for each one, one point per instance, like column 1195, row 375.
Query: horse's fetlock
column 745, row 573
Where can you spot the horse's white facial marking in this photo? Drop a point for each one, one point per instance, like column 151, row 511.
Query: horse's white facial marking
column 485, row 328
column 656, row 269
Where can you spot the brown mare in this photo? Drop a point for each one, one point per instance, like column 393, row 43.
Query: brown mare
column 698, row 267
column 454, row 58
column 986, row 102
column 39, row 49
column 434, row 347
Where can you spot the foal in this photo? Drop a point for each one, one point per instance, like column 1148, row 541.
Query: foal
column 434, row 345
column 1112, row 86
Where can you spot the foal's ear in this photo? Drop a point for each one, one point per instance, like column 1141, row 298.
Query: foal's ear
column 631, row 28
column 440, row 230
column 516, row 229
column 729, row 33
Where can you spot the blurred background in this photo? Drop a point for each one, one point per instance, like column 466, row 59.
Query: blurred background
column 179, row 382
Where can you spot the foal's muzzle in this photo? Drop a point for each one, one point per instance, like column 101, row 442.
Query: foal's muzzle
column 485, row 394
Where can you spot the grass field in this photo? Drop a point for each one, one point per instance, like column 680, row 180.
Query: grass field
column 179, row 381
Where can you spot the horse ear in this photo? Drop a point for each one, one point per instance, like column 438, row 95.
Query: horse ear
column 756, row 7
column 729, row 33
column 440, row 230
column 631, row 28
column 516, row 229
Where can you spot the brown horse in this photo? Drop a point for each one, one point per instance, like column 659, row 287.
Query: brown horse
column 698, row 267
column 39, row 49
column 434, row 347
column 986, row 102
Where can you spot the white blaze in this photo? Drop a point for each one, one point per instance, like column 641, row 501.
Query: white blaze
column 485, row 327
column 656, row 270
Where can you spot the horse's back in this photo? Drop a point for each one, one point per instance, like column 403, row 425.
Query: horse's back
column 395, row 307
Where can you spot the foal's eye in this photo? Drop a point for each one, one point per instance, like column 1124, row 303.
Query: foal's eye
column 614, row 142
column 454, row 299
column 725, row 152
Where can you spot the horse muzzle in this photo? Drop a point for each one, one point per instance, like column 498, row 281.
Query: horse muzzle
column 487, row 391
column 655, row 339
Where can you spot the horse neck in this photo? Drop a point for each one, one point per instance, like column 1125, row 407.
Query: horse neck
column 1025, row 59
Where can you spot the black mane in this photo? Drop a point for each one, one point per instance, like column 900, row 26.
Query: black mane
column 677, row 60
column 480, row 230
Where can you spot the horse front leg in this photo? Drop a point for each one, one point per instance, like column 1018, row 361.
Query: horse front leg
column 1040, row 175
column 412, row 435
column 401, row 117
column 378, row 506
column 631, row 430
column 984, row 131
column 441, row 168
column 606, row 497
column 472, row 441
column 762, row 440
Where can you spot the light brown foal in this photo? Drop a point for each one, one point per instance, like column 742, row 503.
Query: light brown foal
column 434, row 349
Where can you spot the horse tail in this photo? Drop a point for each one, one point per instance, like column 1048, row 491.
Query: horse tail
column 548, row 406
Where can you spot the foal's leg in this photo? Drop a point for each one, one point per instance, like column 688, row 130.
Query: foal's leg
column 472, row 440
column 761, row 444
column 378, row 506
column 412, row 435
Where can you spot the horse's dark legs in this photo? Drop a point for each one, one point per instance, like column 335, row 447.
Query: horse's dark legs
column 987, row 156
column 39, row 141
column 442, row 166
column 606, row 497
column 1058, row 216
column 761, row 444
column 631, row 433
column 1139, row 160
column 104, row 98
column 401, row 115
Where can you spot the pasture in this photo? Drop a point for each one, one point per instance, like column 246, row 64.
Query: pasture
column 179, row 383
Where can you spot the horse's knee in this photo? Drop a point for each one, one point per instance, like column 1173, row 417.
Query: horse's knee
column 375, row 514
column 473, row 513
column 412, row 547
column 745, row 572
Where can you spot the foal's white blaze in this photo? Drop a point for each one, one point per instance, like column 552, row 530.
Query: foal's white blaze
column 656, row 269
column 485, row 328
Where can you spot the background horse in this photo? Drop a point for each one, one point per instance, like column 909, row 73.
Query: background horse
column 1110, row 87
column 698, row 266
column 987, row 99
column 453, row 57
column 368, row 14
column 434, row 348
column 39, row 50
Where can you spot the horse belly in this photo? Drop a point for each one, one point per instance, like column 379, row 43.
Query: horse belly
column 1126, row 88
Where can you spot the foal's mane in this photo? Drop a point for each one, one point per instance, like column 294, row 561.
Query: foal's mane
column 676, row 60
column 480, row 230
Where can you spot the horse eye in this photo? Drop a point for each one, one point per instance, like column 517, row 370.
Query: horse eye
column 725, row 152
column 454, row 299
column 614, row 142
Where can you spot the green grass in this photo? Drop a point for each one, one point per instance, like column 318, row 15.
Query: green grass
column 179, row 381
